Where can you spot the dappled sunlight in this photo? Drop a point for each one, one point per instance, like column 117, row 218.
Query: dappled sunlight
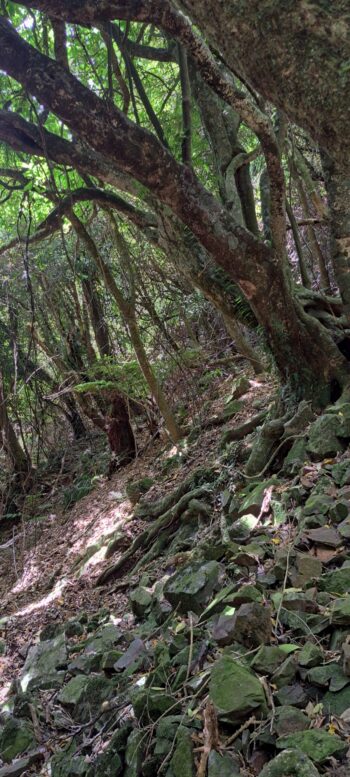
column 100, row 525
column 44, row 601
column 30, row 575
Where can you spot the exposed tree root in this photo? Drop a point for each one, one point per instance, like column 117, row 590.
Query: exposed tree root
column 241, row 431
column 277, row 430
column 147, row 510
column 165, row 523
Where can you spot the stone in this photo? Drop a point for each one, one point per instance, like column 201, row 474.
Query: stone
column 308, row 567
column 150, row 705
column 135, row 749
column 250, row 626
column 141, row 601
column 240, row 386
column 42, row 662
column 339, row 510
column 344, row 529
column 289, row 719
column 326, row 535
column 223, row 765
column 67, row 765
column 135, row 653
column 73, row 628
column 317, row 504
column 20, row 765
column 192, row 586
column 328, row 674
column 310, row 655
column 253, row 500
column 336, row 703
column 137, row 488
column 337, row 582
column 317, row 744
column 324, row 436
column 294, row 695
column 16, row 737
column 105, row 638
column 292, row 763
column 86, row 695
column 110, row 658
column 295, row 457
column 73, row 690
column 269, row 658
column 85, row 663
column 285, row 673
column 340, row 612
column 182, row 763
column 234, row 690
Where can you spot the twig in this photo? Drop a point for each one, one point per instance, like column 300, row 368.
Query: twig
column 240, row 730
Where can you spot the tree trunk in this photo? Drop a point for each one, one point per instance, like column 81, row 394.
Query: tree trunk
column 337, row 182
column 20, row 462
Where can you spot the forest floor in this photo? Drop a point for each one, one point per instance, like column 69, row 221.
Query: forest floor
column 258, row 558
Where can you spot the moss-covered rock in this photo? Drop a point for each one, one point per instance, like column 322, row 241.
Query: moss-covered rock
column 16, row 737
column 234, row 690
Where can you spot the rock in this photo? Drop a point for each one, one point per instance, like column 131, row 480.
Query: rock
column 16, row 737
column 135, row 652
column 182, row 763
column 137, row 488
column 339, row 510
column 328, row 673
column 292, row 763
column 20, row 765
column 340, row 613
column 105, row 638
column 86, row 695
column 345, row 650
column 326, row 535
column 42, row 662
column 85, row 663
column 294, row 695
column 73, row 628
column 317, row 504
column 68, row 765
column 269, row 658
column 223, row 765
column 324, row 437
column 317, row 744
column 149, row 704
column 310, row 655
column 240, row 386
column 289, row 719
column 295, row 457
column 250, row 626
column 253, row 501
column 110, row 658
column 308, row 567
column 337, row 582
column 141, row 601
column 73, row 691
column 234, row 690
column 341, row 473
column 192, row 586
column 109, row 763
column 285, row 673
column 344, row 529
column 135, row 748
column 337, row 703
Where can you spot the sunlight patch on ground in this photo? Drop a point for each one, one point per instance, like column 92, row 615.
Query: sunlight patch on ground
column 44, row 601
column 30, row 575
column 101, row 525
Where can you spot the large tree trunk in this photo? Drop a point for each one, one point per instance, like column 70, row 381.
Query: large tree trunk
column 305, row 354
column 337, row 180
